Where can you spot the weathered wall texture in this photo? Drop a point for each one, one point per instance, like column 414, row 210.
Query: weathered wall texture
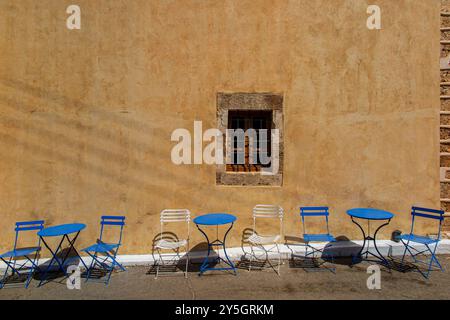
column 86, row 116
column 445, row 113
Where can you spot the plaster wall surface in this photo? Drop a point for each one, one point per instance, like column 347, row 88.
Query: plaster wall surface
column 86, row 115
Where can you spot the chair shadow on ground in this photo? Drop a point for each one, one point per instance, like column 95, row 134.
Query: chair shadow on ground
column 54, row 272
column 100, row 271
column 342, row 252
column 346, row 252
column 178, row 262
column 15, row 280
column 245, row 262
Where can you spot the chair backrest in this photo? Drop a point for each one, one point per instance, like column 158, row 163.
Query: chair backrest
column 268, row 211
column 36, row 225
column 112, row 221
column 427, row 213
column 306, row 212
column 175, row 215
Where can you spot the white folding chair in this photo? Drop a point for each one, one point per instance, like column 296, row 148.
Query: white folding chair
column 259, row 241
column 170, row 241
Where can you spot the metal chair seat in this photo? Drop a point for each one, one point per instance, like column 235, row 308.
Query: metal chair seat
column 19, row 252
column 167, row 244
column 418, row 239
column 259, row 240
column 318, row 238
column 101, row 247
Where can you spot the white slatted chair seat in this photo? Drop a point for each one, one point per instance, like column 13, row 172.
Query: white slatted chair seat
column 167, row 244
column 259, row 240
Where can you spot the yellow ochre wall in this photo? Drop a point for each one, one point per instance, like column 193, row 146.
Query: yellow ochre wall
column 87, row 115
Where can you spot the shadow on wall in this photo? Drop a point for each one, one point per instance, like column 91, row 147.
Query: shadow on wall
column 137, row 175
column 244, row 261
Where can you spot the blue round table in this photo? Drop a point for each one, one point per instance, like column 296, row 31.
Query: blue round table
column 63, row 231
column 216, row 219
column 370, row 214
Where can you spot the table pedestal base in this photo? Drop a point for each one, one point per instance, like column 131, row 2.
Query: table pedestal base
column 376, row 256
column 60, row 262
column 216, row 243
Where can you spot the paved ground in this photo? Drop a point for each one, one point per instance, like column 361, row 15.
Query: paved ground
column 294, row 283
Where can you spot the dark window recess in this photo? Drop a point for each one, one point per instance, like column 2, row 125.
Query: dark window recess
column 245, row 120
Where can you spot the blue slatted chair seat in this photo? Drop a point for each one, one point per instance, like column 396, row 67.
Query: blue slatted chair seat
column 318, row 238
column 101, row 247
column 20, row 252
column 419, row 239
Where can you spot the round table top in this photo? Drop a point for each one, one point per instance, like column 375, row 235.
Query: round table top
column 215, row 219
column 370, row 214
column 60, row 230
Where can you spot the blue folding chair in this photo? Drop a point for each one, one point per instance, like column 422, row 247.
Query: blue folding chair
column 10, row 257
column 428, row 242
column 306, row 212
column 107, row 261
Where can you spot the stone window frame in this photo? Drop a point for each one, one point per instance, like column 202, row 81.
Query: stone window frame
column 258, row 102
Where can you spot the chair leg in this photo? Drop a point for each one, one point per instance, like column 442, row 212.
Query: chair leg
column 430, row 265
column 187, row 265
column 172, row 260
column 267, row 258
column 14, row 270
column 404, row 253
column 333, row 269
column 31, row 272
column 279, row 258
column 435, row 259
column 251, row 258
column 157, row 270
column 91, row 266
column 312, row 253
column 410, row 252
column 111, row 268
column 2, row 284
column 115, row 262
column 110, row 271
column 438, row 264
column 254, row 256
column 161, row 261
